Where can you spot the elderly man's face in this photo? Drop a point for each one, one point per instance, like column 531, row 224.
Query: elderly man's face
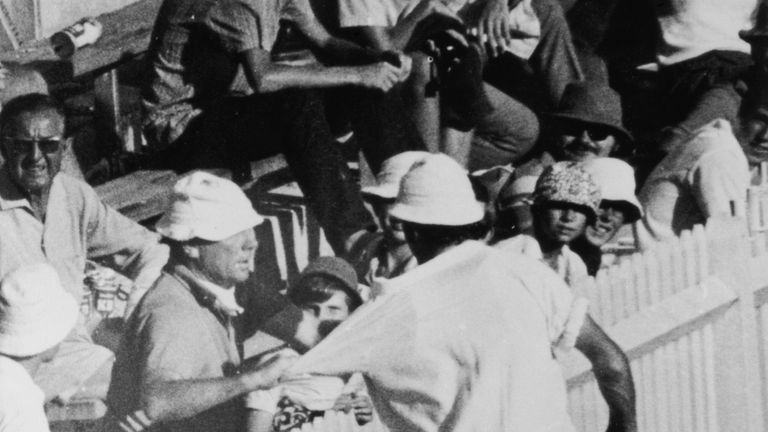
column 610, row 219
column 229, row 261
column 33, row 145
column 579, row 141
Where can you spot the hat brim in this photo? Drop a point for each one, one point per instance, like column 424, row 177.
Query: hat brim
column 380, row 191
column 47, row 331
column 417, row 214
column 632, row 209
column 619, row 131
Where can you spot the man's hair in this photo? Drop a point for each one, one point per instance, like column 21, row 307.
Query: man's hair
column 440, row 236
column 318, row 288
column 33, row 102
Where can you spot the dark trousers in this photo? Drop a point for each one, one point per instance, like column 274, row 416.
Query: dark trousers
column 235, row 130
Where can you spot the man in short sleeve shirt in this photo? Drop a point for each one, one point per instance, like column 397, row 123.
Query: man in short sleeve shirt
column 215, row 98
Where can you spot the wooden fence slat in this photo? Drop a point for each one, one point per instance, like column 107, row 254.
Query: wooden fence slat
column 672, row 386
column 665, row 269
column 689, row 258
column 654, row 276
column 616, row 293
column 630, row 289
column 641, row 280
column 604, row 291
column 701, row 246
column 699, row 399
column 686, row 397
column 678, row 266
column 709, row 373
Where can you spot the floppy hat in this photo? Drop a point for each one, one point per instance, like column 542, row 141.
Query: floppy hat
column 568, row 182
column 392, row 171
column 437, row 191
column 593, row 103
column 338, row 269
column 208, row 207
column 616, row 180
column 35, row 311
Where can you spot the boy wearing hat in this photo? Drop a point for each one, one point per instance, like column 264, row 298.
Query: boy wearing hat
column 179, row 363
column 618, row 206
column 463, row 341
column 35, row 316
column 385, row 253
column 327, row 292
column 565, row 202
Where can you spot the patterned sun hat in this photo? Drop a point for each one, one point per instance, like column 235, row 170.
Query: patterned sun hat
column 568, row 182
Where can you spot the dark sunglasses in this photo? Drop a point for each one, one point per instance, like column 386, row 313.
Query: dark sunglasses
column 24, row 145
column 594, row 133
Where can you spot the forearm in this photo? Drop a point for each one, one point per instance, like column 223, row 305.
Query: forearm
column 280, row 77
column 612, row 371
column 174, row 400
column 618, row 390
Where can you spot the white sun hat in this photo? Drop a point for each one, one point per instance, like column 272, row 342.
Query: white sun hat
column 208, row 207
column 437, row 191
column 35, row 311
column 616, row 180
column 392, row 171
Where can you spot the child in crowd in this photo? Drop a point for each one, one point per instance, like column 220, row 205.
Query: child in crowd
column 619, row 206
column 565, row 202
column 385, row 253
column 327, row 292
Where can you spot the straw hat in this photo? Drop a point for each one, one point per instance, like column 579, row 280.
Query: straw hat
column 568, row 182
column 208, row 207
column 392, row 171
column 437, row 191
column 593, row 103
column 35, row 311
column 616, row 180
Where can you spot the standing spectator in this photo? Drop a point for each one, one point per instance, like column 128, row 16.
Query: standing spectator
column 35, row 316
column 46, row 216
column 697, row 180
column 327, row 291
column 565, row 202
column 179, row 363
column 619, row 206
column 214, row 97
column 385, row 253
column 463, row 341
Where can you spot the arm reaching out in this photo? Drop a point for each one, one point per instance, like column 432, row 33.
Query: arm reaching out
column 611, row 369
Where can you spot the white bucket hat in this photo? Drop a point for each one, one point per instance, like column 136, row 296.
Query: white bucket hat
column 616, row 180
column 208, row 207
column 437, row 191
column 392, row 171
column 35, row 311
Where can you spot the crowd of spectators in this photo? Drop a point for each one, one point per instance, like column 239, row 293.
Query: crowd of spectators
column 511, row 141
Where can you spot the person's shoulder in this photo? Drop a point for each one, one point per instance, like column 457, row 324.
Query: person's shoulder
column 167, row 300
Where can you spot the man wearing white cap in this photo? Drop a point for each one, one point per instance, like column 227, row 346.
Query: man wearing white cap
column 49, row 217
column 35, row 315
column 463, row 341
column 385, row 253
column 178, row 363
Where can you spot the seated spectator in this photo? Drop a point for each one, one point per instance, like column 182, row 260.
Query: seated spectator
column 619, row 206
column 248, row 106
column 35, row 316
column 693, row 79
column 565, row 202
column 697, row 180
column 431, row 334
column 385, row 253
column 46, row 216
column 179, row 363
column 533, row 31
column 327, row 291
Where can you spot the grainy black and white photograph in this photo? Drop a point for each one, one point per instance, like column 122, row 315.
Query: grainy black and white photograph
column 383, row 215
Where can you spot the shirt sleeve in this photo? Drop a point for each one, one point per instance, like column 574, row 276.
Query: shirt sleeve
column 237, row 24
column 264, row 400
column 564, row 312
column 369, row 13
column 123, row 244
column 718, row 179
